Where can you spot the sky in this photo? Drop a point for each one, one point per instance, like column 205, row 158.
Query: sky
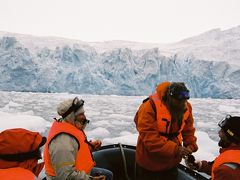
column 153, row 21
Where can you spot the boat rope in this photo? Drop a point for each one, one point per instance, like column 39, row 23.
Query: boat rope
column 124, row 161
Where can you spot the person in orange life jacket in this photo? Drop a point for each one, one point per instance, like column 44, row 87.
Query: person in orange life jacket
column 67, row 153
column 227, row 164
column 20, row 151
column 164, row 121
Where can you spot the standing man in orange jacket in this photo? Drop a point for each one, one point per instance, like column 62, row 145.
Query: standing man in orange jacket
column 166, row 132
column 67, row 153
column 227, row 164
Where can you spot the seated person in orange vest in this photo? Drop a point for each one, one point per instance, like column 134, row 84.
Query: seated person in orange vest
column 67, row 153
column 19, row 154
column 227, row 164
column 166, row 132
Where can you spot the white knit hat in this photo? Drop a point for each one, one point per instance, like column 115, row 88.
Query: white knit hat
column 65, row 105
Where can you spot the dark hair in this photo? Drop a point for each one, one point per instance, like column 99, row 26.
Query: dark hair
column 178, row 91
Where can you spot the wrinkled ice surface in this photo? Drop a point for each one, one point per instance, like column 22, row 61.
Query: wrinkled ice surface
column 112, row 116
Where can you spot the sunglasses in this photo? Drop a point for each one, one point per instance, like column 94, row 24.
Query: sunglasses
column 84, row 122
column 182, row 95
column 223, row 122
column 76, row 104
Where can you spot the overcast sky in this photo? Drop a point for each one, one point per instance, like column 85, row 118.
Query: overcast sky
column 161, row 21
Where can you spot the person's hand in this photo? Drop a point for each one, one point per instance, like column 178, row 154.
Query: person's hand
column 183, row 151
column 96, row 144
column 101, row 177
column 194, row 165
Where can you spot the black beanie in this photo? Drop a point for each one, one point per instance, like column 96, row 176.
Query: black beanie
column 232, row 128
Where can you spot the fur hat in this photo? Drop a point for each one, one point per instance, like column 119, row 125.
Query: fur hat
column 65, row 105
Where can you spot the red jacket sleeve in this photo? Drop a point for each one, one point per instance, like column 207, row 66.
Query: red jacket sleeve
column 224, row 172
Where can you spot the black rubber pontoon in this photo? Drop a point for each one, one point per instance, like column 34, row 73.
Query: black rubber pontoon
column 120, row 159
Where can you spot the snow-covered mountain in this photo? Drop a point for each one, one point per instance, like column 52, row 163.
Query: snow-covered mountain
column 208, row 64
column 214, row 45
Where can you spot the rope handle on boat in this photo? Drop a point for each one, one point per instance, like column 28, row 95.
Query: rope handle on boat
column 124, row 161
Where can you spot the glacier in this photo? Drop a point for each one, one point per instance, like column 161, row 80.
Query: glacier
column 208, row 64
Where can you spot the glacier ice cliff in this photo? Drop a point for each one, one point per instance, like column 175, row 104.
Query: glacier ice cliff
column 80, row 68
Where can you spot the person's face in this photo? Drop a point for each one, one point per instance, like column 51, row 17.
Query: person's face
column 80, row 120
column 223, row 142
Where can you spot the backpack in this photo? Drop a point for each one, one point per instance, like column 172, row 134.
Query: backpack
column 21, row 148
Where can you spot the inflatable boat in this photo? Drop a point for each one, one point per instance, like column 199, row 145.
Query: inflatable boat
column 120, row 159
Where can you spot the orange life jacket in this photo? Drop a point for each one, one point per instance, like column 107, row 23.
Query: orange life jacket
column 16, row 173
column 229, row 156
column 20, row 148
column 164, row 118
column 84, row 160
